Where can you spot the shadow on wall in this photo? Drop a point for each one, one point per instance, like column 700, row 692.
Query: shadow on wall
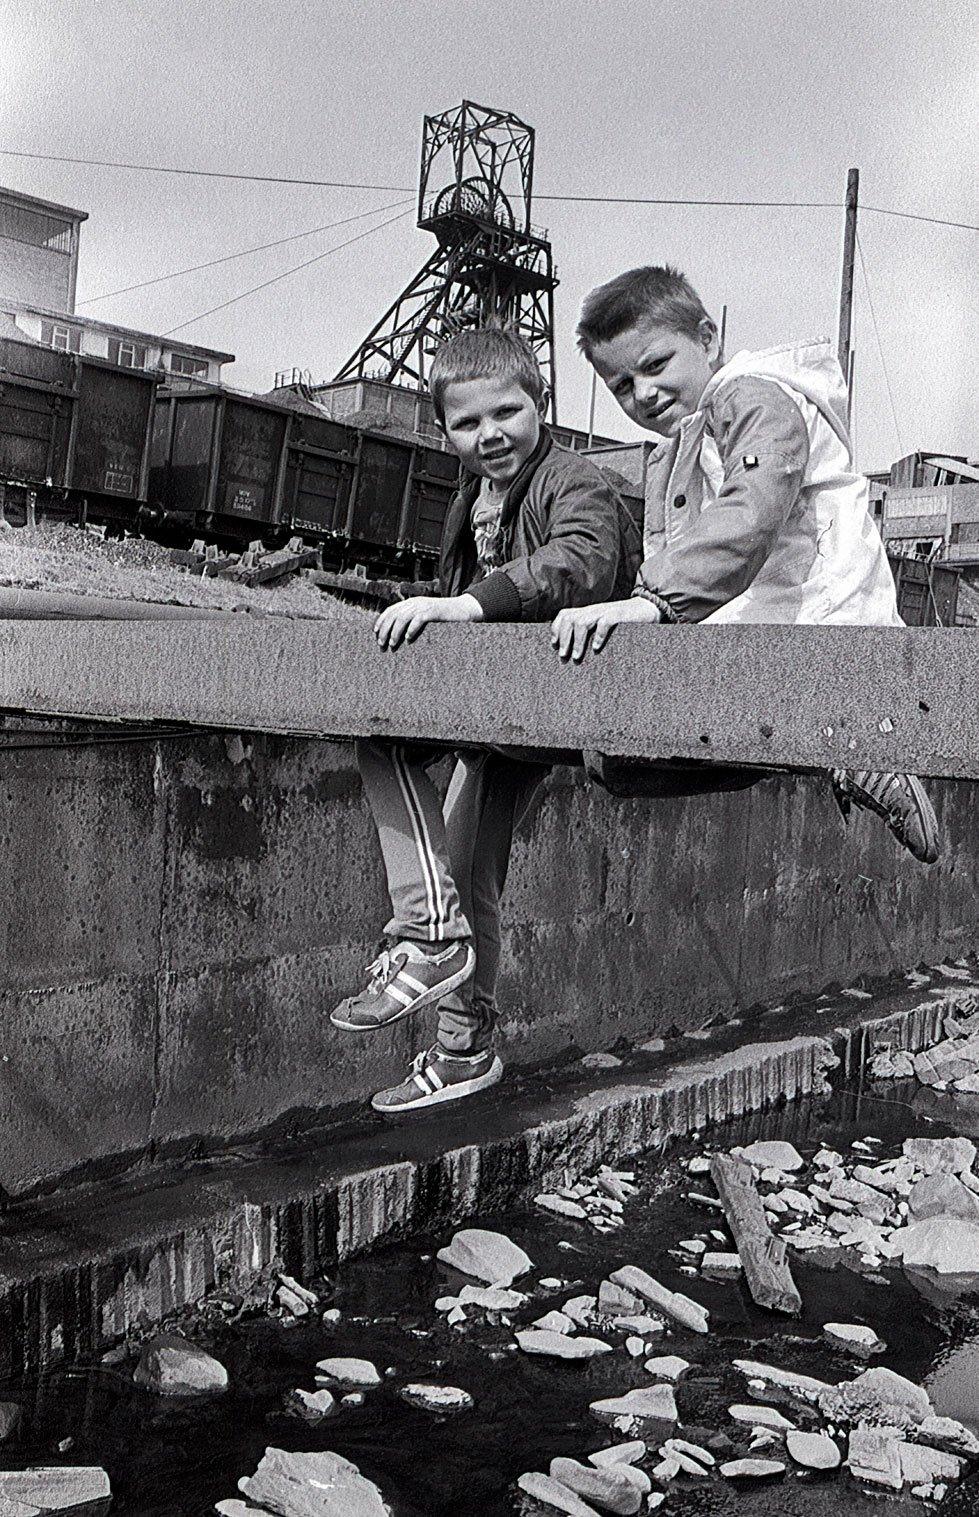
column 181, row 916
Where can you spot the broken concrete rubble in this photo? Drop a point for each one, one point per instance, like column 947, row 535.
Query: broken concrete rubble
column 488, row 1256
column 312, row 1485
column 171, row 1366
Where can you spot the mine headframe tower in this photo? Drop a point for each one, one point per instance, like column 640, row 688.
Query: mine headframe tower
column 477, row 172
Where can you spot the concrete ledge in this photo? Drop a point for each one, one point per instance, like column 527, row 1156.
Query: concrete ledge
column 811, row 697
column 80, row 1271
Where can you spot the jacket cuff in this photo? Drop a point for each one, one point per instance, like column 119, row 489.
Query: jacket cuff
column 498, row 597
column 660, row 602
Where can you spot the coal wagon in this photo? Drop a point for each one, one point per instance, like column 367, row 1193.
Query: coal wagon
column 74, row 429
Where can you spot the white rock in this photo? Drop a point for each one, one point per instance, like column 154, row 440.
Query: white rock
column 690, row 1313
column 488, row 1256
column 171, row 1366
column 945, row 1244
column 698, row 1165
column 551, row 1283
column 758, row 1415
column 437, row 1398
column 560, row 1206
column 614, row 1300
column 857, row 1340
column 608, row 1486
column 721, row 1266
column 655, row 1404
column 872, row 1455
column 635, row 1346
column 668, row 1367
column 816, row 1451
column 349, row 1374
column 581, row 1309
column 667, row 1469
column 601, row 1061
column 456, row 1315
column 641, row 1324
column 693, row 1246
column 952, row 1155
column 551, row 1493
column 560, row 1345
column 493, row 1298
column 806, row 1386
column 692, row 1450
column 946, row 1433
column 620, row 1453
column 891, row 1389
column 771, row 1155
column 942, row 1195
column 752, row 1469
column 554, row 1322
column 52, row 1488
column 322, row 1482
column 920, row 1464
column 312, row 1406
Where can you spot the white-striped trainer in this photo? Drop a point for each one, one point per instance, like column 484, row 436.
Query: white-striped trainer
column 436, row 1077
column 402, row 980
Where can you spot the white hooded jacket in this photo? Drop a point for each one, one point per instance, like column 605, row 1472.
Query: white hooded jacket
column 755, row 513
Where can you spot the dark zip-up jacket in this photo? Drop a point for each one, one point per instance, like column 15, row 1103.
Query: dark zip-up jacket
column 567, row 540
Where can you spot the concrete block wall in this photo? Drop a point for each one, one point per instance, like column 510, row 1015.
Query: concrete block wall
column 177, row 924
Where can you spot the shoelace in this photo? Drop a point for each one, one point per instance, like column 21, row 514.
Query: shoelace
column 381, row 971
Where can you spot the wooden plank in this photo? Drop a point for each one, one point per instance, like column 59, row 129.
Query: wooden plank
column 763, row 1255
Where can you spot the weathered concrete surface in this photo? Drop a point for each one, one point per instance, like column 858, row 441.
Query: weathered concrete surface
column 82, row 1268
column 177, row 925
column 871, row 697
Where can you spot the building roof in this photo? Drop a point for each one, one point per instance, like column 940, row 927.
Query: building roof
column 115, row 329
column 33, row 203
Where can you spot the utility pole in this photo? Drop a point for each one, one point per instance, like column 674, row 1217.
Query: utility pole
column 846, row 284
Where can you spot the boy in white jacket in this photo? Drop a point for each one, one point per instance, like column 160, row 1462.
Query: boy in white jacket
column 758, row 514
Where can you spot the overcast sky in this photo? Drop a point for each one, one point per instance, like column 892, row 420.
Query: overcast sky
column 728, row 99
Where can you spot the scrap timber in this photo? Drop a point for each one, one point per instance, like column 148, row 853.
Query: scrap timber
column 810, row 697
column 765, row 1257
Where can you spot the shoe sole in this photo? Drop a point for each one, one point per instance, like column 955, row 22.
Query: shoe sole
column 455, row 1092
column 931, row 850
column 436, row 993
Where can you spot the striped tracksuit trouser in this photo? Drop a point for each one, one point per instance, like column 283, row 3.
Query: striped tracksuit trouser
column 446, row 865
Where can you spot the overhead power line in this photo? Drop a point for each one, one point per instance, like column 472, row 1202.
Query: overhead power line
column 285, row 274
column 261, row 247
column 400, row 189
column 168, row 168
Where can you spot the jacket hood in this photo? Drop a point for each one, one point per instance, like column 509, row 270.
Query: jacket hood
column 812, row 368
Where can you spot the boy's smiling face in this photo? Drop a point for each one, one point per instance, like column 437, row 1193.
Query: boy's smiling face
column 657, row 374
column 492, row 424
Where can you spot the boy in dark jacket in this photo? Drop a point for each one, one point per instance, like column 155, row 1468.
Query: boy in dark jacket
column 534, row 529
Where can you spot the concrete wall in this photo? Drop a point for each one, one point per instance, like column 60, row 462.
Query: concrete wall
column 176, row 925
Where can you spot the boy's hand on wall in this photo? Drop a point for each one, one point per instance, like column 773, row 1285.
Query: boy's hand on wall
column 407, row 619
column 573, row 627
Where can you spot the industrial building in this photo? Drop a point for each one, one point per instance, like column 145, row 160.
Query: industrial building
column 39, row 250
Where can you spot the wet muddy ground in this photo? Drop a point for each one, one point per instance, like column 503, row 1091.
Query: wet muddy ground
column 176, row 1459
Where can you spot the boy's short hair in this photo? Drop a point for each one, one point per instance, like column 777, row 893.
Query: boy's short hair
column 649, row 294
column 484, row 353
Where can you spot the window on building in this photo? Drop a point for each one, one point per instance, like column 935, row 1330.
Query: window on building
column 65, row 339
column 128, row 355
column 187, row 367
column 34, row 227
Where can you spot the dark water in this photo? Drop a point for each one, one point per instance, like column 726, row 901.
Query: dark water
column 175, row 1459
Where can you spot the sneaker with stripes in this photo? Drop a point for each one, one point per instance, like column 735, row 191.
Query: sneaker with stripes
column 402, row 980
column 902, row 801
column 435, row 1077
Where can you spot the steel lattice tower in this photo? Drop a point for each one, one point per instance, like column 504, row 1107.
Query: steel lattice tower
column 490, row 261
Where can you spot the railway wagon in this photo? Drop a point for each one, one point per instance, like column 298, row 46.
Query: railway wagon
column 73, row 425
column 238, row 467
